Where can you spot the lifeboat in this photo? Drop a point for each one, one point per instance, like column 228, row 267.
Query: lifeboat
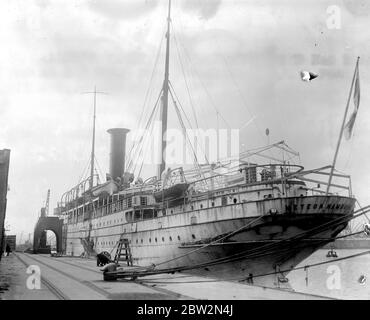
column 172, row 192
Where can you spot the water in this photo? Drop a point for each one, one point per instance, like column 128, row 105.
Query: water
column 339, row 279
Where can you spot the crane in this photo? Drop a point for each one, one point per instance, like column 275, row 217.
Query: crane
column 45, row 210
column 47, row 203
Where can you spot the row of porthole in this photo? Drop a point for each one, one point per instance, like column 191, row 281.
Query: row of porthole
column 163, row 240
column 201, row 205
column 150, row 240
column 108, row 222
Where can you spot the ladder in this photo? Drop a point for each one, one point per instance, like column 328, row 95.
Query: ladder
column 124, row 250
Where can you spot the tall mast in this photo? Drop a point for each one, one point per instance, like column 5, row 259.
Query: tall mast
column 92, row 160
column 164, row 105
column 93, row 145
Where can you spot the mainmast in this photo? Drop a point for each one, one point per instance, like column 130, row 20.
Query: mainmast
column 164, row 105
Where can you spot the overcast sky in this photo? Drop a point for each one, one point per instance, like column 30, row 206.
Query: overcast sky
column 242, row 57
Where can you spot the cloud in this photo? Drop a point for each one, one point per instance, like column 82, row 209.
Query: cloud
column 204, row 9
column 123, row 9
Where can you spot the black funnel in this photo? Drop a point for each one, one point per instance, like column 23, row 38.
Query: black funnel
column 117, row 152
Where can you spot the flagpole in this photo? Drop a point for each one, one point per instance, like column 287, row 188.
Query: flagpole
column 342, row 128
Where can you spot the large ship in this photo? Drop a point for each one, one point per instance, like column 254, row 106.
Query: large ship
column 253, row 216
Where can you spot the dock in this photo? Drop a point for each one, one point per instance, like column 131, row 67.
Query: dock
column 72, row 278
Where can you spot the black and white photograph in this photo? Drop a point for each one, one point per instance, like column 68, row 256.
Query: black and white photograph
column 184, row 154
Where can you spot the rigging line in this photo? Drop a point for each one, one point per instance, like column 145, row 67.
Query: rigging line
column 146, row 139
column 150, row 84
column 213, row 242
column 142, row 163
column 173, row 90
column 368, row 220
column 99, row 168
column 204, row 87
column 184, row 76
column 84, row 172
column 267, row 247
column 178, row 100
column 298, row 237
column 186, row 136
column 146, row 134
column 241, row 95
column 262, row 274
column 146, row 127
column 149, row 122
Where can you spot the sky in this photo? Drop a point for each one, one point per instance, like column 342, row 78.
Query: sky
column 241, row 58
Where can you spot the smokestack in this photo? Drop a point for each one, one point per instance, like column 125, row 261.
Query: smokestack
column 117, row 152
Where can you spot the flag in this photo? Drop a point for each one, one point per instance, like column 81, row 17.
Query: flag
column 356, row 101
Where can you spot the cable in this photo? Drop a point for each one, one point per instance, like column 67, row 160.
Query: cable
column 148, row 89
column 186, row 83
column 213, row 242
column 247, row 254
column 265, row 274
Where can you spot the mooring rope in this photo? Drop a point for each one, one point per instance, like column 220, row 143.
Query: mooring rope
column 250, row 253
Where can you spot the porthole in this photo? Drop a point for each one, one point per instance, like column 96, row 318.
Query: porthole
column 235, row 200
column 213, row 204
column 321, row 206
column 308, row 206
column 170, row 238
column 193, row 236
column 201, row 206
column 178, row 237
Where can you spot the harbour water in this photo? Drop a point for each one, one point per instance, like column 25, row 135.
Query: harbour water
column 339, row 279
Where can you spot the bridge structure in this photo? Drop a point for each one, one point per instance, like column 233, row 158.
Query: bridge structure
column 43, row 224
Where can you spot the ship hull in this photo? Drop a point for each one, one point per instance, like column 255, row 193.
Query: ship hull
column 259, row 262
column 257, row 246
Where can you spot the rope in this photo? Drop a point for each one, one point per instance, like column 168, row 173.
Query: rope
column 148, row 89
column 186, row 82
column 269, row 273
column 129, row 165
column 213, row 242
column 249, row 253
